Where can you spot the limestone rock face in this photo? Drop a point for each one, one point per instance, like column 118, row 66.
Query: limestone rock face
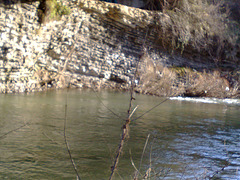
column 97, row 41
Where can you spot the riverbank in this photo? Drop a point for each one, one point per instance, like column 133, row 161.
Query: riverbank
column 98, row 45
column 171, row 83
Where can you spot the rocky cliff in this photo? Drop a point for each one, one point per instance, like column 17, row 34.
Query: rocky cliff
column 97, row 45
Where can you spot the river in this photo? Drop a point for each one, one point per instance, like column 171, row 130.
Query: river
column 189, row 138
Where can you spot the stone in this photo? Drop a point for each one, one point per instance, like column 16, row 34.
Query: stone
column 95, row 41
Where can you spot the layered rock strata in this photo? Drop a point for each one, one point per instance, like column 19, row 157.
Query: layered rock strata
column 97, row 45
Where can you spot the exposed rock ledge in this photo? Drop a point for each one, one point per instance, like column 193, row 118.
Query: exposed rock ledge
column 98, row 45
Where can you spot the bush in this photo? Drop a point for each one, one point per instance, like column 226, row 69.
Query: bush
column 155, row 79
column 204, row 26
column 57, row 9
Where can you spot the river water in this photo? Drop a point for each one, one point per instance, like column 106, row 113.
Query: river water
column 189, row 138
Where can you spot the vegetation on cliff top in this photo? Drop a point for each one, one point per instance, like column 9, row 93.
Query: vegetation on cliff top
column 206, row 26
column 51, row 10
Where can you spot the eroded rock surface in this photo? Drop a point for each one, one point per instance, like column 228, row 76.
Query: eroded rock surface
column 97, row 45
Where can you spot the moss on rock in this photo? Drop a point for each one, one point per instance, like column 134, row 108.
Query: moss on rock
column 50, row 10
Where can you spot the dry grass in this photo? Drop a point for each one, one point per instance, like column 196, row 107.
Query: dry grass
column 210, row 84
column 157, row 80
column 203, row 26
column 180, row 81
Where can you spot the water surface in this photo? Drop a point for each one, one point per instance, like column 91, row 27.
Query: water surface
column 188, row 140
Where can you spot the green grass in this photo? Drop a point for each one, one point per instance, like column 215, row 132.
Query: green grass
column 57, row 9
column 50, row 10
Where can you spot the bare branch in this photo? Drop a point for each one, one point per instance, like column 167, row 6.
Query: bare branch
column 150, row 109
column 105, row 105
column 133, row 111
column 2, row 136
column 66, row 142
column 132, row 161
column 136, row 176
column 125, row 127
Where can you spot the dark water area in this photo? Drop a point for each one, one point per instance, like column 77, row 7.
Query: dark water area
column 188, row 140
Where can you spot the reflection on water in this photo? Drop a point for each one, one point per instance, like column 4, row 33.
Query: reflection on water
column 188, row 140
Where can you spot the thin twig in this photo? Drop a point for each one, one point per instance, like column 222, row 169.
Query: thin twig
column 119, row 175
column 218, row 171
column 105, row 105
column 66, row 142
column 51, row 139
column 2, row 136
column 125, row 127
column 223, row 168
column 132, row 161
column 135, row 75
column 68, row 58
column 133, row 111
column 144, row 150
column 136, row 177
column 150, row 109
column 125, row 132
column 150, row 162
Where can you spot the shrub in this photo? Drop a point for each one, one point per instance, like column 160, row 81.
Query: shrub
column 203, row 26
column 57, row 9
column 155, row 79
